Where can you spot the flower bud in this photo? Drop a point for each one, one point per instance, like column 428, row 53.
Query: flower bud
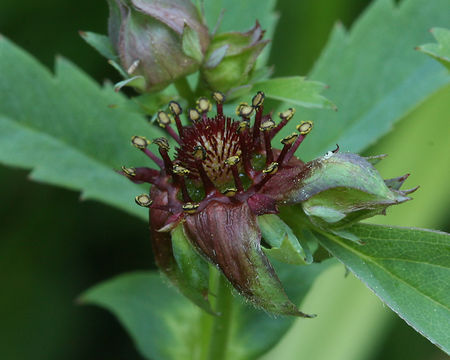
column 231, row 57
column 339, row 189
column 157, row 41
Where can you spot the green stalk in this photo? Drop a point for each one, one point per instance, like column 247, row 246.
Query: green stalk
column 220, row 332
column 184, row 90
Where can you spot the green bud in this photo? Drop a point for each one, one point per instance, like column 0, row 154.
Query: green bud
column 340, row 189
column 157, row 41
column 231, row 57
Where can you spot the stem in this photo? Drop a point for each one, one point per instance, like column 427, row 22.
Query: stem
column 218, row 345
column 184, row 90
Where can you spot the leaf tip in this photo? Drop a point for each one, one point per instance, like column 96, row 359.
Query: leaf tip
column 82, row 33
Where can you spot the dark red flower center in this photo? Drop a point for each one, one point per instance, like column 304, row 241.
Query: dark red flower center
column 217, row 157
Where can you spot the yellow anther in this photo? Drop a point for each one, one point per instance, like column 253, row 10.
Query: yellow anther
column 129, row 171
column 267, row 125
column 180, row 170
column 290, row 139
column 190, row 208
column 305, row 127
column 175, row 108
column 232, row 160
column 229, row 192
column 271, row 169
column 287, row 114
column 140, row 142
column 199, row 153
column 258, row 99
column 143, row 200
column 162, row 143
column 203, row 105
column 218, row 97
column 194, row 115
column 243, row 125
column 244, row 110
column 163, row 119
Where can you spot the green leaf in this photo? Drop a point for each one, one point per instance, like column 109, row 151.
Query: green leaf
column 191, row 44
column 441, row 50
column 67, row 129
column 425, row 155
column 101, row 43
column 285, row 246
column 166, row 326
column 162, row 323
column 407, row 268
column 374, row 74
column 295, row 90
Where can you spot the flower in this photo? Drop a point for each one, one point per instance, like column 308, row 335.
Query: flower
column 225, row 174
column 157, row 41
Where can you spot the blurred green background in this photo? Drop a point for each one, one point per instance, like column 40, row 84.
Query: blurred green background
column 53, row 246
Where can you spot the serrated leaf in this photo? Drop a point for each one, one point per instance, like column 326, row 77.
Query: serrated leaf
column 67, row 129
column 409, row 269
column 101, row 43
column 166, row 326
column 295, row 90
column 441, row 50
column 374, row 74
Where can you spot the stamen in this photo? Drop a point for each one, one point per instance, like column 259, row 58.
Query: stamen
column 304, row 129
column 176, row 110
column 287, row 142
column 194, row 115
column 203, row 106
column 219, row 98
column 230, row 192
column 233, row 161
column 285, row 116
column 129, row 172
column 244, row 110
column 141, row 143
column 266, row 127
column 269, row 171
column 141, row 174
column 258, row 99
column 199, row 155
column 190, row 208
column 143, row 200
column 242, row 131
column 164, row 147
column 180, row 172
column 164, row 121
column 256, row 127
